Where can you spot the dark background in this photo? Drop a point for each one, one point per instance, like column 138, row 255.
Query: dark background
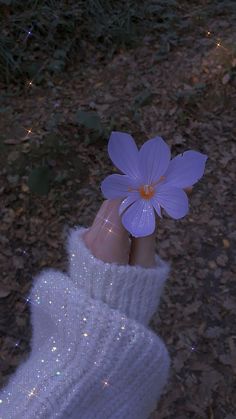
column 70, row 73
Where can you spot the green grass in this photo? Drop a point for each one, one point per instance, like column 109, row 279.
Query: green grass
column 61, row 30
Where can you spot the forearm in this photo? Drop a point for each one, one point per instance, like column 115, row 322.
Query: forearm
column 87, row 359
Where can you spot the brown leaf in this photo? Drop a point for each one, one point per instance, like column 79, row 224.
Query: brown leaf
column 24, row 188
column 229, row 304
column 222, row 260
column 13, row 156
column 53, row 243
column 11, row 141
column 226, row 243
column 211, row 379
column 213, row 332
column 192, row 308
column 4, row 292
column 225, row 359
column 18, row 262
column 26, row 148
column 226, row 78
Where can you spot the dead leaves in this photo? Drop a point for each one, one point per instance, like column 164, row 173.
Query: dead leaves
column 197, row 312
column 4, row 292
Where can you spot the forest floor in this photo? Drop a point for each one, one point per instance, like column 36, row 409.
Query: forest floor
column 188, row 98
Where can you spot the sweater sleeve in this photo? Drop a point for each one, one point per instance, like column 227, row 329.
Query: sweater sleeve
column 88, row 359
column 134, row 290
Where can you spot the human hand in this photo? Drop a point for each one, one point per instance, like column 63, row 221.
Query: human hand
column 109, row 241
column 107, row 238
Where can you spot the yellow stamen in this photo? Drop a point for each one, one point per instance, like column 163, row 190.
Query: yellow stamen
column 147, row 191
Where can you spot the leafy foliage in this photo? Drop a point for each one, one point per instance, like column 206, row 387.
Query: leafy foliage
column 36, row 35
column 39, row 180
column 41, row 37
column 89, row 120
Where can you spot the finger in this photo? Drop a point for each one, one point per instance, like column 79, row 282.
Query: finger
column 107, row 238
column 142, row 250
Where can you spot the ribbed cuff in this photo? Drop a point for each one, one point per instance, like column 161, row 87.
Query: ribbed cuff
column 87, row 361
column 133, row 290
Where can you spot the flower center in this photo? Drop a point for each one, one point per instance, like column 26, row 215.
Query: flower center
column 146, row 191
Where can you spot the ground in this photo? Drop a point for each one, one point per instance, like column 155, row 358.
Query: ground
column 189, row 99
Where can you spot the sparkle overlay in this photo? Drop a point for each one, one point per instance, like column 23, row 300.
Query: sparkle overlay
column 151, row 181
column 34, row 300
column 92, row 355
column 117, row 285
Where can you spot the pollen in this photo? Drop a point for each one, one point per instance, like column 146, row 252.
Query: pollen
column 146, row 191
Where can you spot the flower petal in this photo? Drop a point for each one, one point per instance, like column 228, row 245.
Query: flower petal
column 117, row 186
column 132, row 197
column 154, row 158
column 124, row 153
column 185, row 169
column 173, row 200
column 156, row 205
column 139, row 219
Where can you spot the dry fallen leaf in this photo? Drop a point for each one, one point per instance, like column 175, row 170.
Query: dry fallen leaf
column 24, row 188
column 4, row 292
column 13, row 156
column 226, row 243
column 11, row 141
column 226, row 78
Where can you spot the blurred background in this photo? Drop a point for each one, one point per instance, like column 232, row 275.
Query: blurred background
column 70, row 73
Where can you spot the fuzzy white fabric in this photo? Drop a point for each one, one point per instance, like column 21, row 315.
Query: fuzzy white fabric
column 93, row 355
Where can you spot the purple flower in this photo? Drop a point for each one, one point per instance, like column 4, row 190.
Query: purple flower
column 151, row 181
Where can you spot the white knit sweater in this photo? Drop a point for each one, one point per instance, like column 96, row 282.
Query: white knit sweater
column 93, row 355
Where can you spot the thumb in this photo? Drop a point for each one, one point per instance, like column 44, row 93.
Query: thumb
column 107, row 238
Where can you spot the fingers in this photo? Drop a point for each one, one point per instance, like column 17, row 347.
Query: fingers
column 142, row 250
column 107, row 239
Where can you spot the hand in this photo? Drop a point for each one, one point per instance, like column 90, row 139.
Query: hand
column 109, row 241
column 107, row 238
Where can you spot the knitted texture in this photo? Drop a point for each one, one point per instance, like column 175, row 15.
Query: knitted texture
column 133, row 290
column 88, row 360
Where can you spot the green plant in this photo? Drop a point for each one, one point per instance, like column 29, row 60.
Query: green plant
column 37, row 36
column 42, row 37
column 39, row 180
